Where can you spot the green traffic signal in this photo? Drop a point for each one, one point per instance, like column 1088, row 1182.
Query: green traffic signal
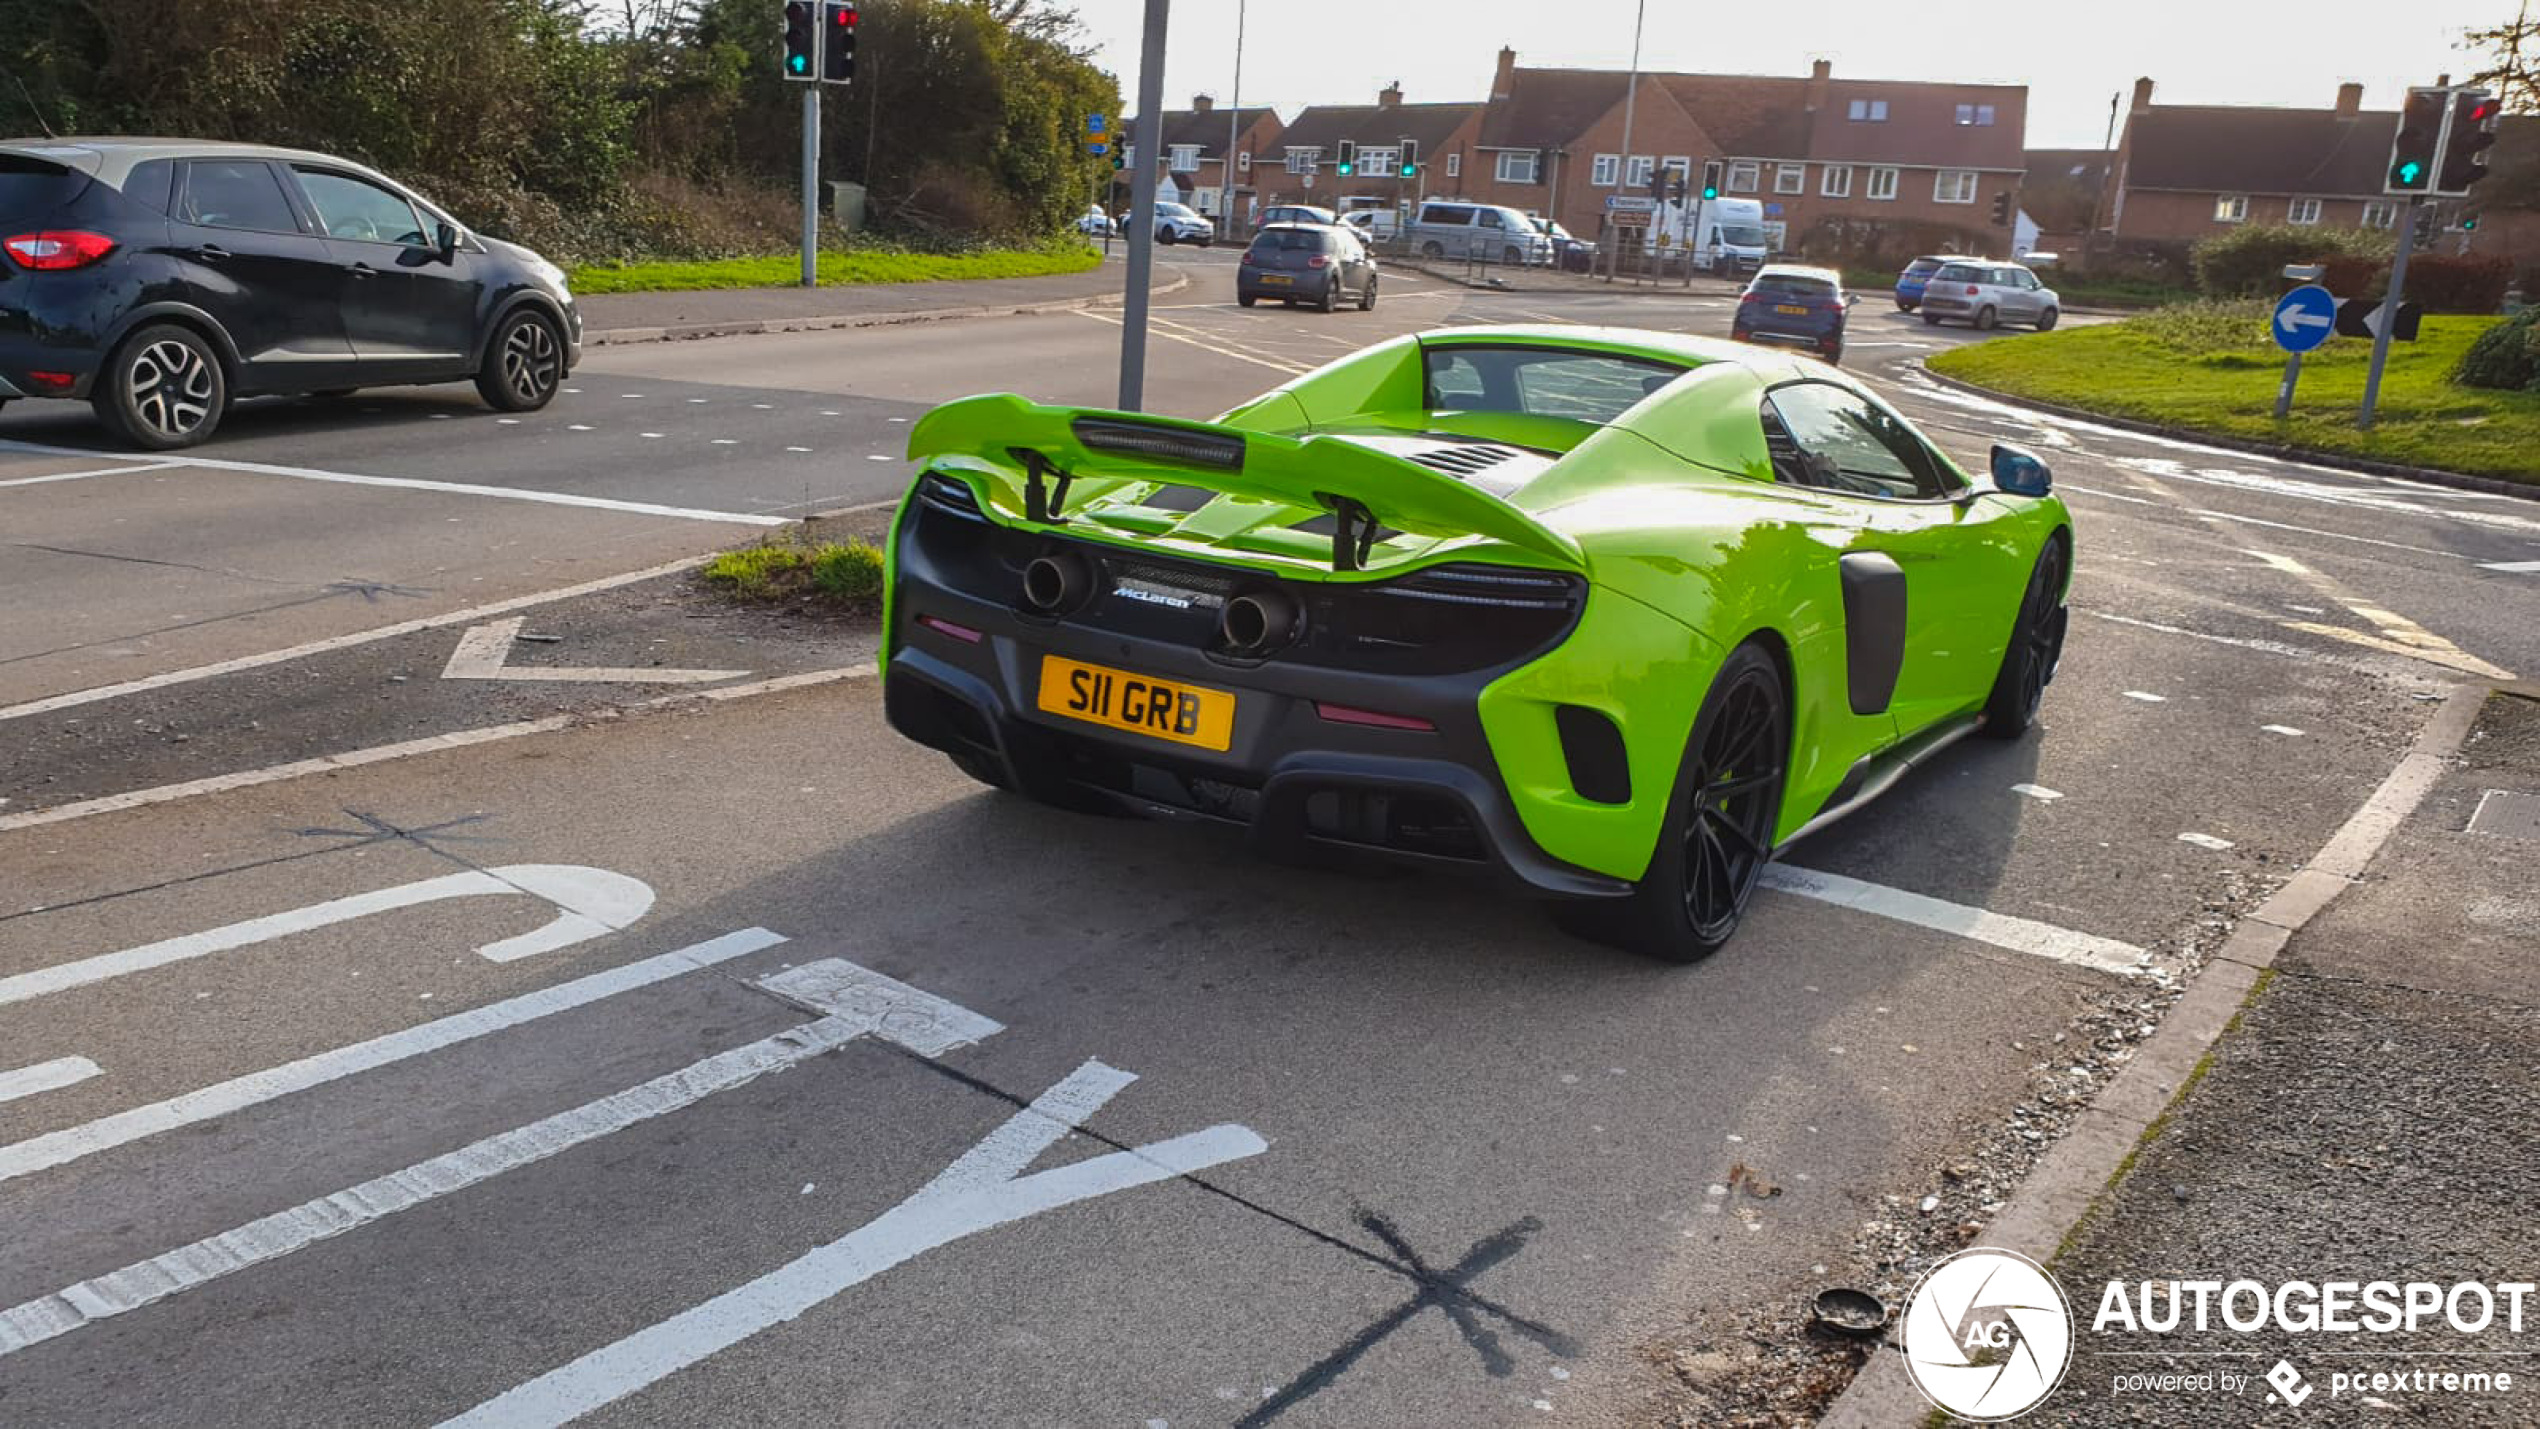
column 1410, row 171
column 2409, row 172
column 1709, row 193
column 1347, row 168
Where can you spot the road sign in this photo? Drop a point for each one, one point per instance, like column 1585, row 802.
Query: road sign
column 1630, row 203
column 2304, row 318
column 1096, row 123
column 1098, row 147
column 1629, row 218
column 2362, row 317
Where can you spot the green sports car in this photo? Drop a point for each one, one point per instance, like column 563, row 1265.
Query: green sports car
column 1615, row 614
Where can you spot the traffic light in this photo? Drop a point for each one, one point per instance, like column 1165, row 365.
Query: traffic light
column 837, row 46
column 802, row 39
column 2412, row 149
column 1410, row 158
column 2427, row 226
column 2002, row 209
column 1677, row 185
column 1119, row 160
column 1658, row 184
column 2469, row 223
column 1710, row 179
column 1348, row 164
column 2466, row 140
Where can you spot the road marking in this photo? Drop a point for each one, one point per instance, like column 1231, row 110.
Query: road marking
column 589, row 902
column 59, row 1148
column 84, row 475
column 2238, row 642
column 340, row 642
column 1161, row 331
column 2510, row 567
column 2019, row 935
column 46, row 1076
column 2205, row 841
column 2286, row 730
column 483, row 649
column 453, row 488
column 2038, row 792
column 985, row 1189
column 856, row 1002
column 2392, row 642
column 2212, row 515
column 381, row 753
column 2147, row 697
column 2369, row 498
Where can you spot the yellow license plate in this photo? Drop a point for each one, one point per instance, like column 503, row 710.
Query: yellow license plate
column 1787, row 308
column 1140, row 704
column 1275, row 280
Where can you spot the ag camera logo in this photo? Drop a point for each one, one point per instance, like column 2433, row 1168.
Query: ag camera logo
column 1988, row 1335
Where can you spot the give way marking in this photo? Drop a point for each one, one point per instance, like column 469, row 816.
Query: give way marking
column 484, row 651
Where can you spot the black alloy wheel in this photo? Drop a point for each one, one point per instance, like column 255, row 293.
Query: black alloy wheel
column 2037, row 647
column 524, row 364
column 163, row 389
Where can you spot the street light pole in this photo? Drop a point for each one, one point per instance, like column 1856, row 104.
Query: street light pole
column 1623, row 171
column 1234, row 126
column 1150, row 133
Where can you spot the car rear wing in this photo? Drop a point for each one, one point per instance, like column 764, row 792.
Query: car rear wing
column 1040, row 450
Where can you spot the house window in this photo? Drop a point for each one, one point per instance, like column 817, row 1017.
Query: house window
column 1836, row 181
column 1641, row 170
column 2303, row 212
column 1185, row 158
column 1678, row 163
column 1744, row 176
column 1605, row 170
column 1379, row 163
column 1882, row 185
column 1302, row 161
column 2380, row 213
column 1243, row 161
column 1953, row 186
column 1790, row 179
column 1455, row 165
column 1979, row 115
column 1873, row 111
column 1517, row 166
column 2231, row 208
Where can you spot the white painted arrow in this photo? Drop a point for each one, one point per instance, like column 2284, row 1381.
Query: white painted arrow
column 484, row 649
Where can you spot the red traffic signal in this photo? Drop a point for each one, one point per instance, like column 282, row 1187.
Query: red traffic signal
column 837, row 47
column 2465, row 143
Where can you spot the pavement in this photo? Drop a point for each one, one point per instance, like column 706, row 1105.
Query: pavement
column 645, row 317
column 411, row 1018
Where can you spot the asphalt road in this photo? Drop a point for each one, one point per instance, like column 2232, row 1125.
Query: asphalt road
column 1310, row 1148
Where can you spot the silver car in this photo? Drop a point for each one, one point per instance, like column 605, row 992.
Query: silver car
column 1178, row 223
column 1988, row 294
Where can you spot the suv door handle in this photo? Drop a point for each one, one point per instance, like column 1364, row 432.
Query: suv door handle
column 211, row 253
column 361, row 270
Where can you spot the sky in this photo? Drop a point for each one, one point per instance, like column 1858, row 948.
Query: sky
column 2072, row 57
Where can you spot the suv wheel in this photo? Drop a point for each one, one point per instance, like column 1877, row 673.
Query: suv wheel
column 1367, row 300
column 1433, row 250
column 523, row 364
column 1985, row 319
column 2046, row 320
column 163, row 389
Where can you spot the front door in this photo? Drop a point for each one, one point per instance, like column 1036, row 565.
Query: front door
column 410, row 315
column 271, row 285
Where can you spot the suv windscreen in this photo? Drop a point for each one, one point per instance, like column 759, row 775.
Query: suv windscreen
column 1742, row 235
column 1540, row 381
column 32, row 188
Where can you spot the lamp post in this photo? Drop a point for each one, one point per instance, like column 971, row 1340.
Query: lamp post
column 1623, row 171
column 1234, row 124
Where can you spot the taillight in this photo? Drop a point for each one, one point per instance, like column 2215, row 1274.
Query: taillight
column 1248, row 259
column 1318, row 261
column 57, row 249
column 1972, row 290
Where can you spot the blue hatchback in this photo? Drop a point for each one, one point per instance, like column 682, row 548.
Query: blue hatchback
column 1799, row 306
column 1911, row 282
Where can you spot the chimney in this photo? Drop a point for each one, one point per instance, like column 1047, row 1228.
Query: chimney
column 1820, row 79
column 2350, row 100
column 1201, row 103
column 1390, row 96
column 2142, row 94
column 1505, row 82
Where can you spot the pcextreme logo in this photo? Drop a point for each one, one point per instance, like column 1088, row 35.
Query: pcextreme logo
column 1987, row 1335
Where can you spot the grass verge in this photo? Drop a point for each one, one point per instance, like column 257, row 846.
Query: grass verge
column 2209, row 368
column 837, row 269
column 2072, row 288
column 844, row 576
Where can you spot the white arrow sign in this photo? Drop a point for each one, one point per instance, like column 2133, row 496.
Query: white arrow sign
column 484, row 649
column 2295, row 319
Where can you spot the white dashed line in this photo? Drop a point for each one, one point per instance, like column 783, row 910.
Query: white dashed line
column 2038, row 792
column 798, row 449
column 45, row 1077
column 2147, row 697
column 84, row 475
column 726, row 442
column 2205, row 841
column 578, row 427
column 2019, row 935
column 2512, row 567
column 2286, row 730
column 507, row 421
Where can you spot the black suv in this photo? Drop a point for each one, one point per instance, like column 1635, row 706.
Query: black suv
column 161, row 278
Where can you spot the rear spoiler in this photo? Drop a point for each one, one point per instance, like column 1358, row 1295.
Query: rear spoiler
column 1361, row 487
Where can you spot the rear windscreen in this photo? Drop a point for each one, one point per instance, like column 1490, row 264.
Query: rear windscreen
column 1921, row 268
column 1290, row 240
column 1780, row 285
column 32, row 187
column 1964, row 273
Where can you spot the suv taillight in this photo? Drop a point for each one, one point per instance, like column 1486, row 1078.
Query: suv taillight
column 57, row 249
column 1972, row 290
column 1318, row 261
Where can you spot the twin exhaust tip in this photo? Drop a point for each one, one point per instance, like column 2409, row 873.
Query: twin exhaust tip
column 1252, row 624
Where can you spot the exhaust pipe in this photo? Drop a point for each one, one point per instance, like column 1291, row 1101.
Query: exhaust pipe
column 1259, row 622
column 1054, row 585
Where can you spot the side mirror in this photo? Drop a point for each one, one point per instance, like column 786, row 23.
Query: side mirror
column 445, row 241
column 2018, row 472
column 1852, row 300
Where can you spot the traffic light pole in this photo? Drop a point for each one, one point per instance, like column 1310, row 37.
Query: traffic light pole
column 2389, row 314
column 1150, row 133
column 811, row 185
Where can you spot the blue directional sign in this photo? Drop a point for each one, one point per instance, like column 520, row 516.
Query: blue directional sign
column 1094, row 123
column 2304, row 318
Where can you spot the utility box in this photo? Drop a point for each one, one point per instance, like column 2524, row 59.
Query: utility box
column 846, row 204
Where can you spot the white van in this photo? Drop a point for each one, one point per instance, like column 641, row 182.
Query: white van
column 1452, row 228
column 1724, row 235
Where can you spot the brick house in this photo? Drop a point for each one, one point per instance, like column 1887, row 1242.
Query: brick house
column 1192, row 154
column 1858, row 164
column 2062, row 194
column 1442, row 133
column 2188, row 171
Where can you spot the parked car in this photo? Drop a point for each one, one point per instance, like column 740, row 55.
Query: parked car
column 1985, row 294
column 1180, row 223
column 1095, row 222
column 1489, row 232
column 1297, row 213
column 1375, row 225
column 1910, row 283
column 162, row 279
column 1794, row 305
column 1318, row 263
column 1569, row 253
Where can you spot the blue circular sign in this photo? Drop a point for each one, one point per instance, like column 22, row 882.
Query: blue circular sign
column 2304, row 318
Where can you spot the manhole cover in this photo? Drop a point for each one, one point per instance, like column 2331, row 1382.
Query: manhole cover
column 2506, row 814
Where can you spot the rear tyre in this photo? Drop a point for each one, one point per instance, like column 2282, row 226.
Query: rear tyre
column 1433, row 250
column 1721, row 818
column 1367, row 300
column 1986, row 318
column 1931, row 319
column 1166, row 236
column 1331, row 295
column 1903, row 306
column 163, row 389
column 524, row 363
column 2037, row 646
column 1245, row 300
column 2046, row 319
column 1511, row 257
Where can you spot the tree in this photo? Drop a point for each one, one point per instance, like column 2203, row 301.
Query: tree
column 2514, row 51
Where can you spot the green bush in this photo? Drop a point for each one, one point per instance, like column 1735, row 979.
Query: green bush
column 846, row 573
column 2249, row 261
column 2506, row 357
column 2464, row 283
column 849, row 571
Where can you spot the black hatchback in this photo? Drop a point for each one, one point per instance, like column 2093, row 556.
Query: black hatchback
column 159, row 279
